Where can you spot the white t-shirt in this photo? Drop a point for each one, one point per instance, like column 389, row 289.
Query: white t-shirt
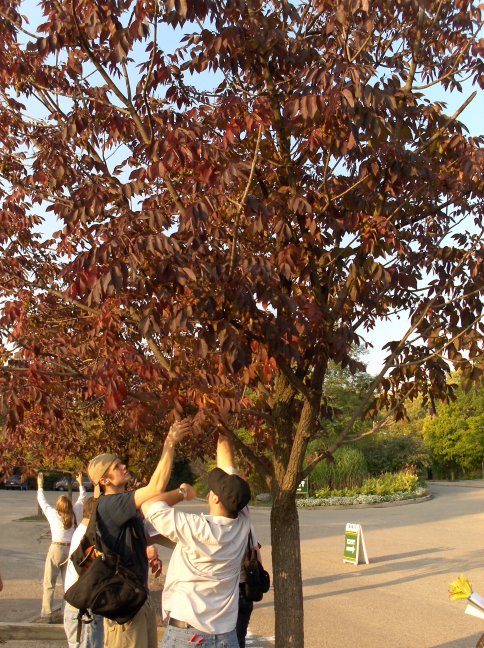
column 202, row 582
column 59, row 534
column 71, row 575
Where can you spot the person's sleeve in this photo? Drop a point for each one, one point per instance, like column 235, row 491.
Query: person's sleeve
column 79, row 505
column 230, row 470
column 41, row 499
column 48, row 510
column 154, row 537
column 175, row 525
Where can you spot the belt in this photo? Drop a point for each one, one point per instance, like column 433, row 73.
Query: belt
column 64, row 544
column 179, row 624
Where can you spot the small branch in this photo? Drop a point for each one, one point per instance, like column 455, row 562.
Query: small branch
column 17, row 25
column 447, row 75
column 437, row 353
column 126, row 79
column 153, row 346
column 449, row 121
column 353, row 186
column 415, row 51
column 242, row 202
column 389, row 362
column 293, row 380
column 361, row 48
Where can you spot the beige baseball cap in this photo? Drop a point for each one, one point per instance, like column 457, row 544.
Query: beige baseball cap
column 97, row 469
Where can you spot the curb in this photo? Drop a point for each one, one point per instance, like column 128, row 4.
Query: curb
column 39, row 631
column 478, row 483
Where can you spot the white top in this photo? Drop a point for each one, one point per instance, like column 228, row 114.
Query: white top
column 71, row 575
column 202, row 582
column 59, row 534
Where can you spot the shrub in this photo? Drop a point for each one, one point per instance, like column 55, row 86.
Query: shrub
column 405, row 481
column 348, row 470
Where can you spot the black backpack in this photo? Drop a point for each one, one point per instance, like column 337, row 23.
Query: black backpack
column 106, row 585
column 257, row 580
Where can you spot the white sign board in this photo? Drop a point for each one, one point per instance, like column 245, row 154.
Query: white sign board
column 355, row 548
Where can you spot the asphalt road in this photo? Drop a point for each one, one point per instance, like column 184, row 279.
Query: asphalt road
column 399, row 600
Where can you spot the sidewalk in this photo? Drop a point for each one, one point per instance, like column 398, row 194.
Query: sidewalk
column 461, row 483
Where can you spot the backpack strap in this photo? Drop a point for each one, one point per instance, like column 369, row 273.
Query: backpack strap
column 80, row 620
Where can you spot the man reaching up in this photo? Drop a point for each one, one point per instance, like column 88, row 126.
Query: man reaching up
column 201, row 593
column 122, row 530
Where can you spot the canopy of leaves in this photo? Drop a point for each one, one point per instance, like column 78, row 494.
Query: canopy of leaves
column 237, row 209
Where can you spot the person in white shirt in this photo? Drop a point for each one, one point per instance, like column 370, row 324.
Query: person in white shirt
column 92, row 632
column 62, row 521
column 201, row 592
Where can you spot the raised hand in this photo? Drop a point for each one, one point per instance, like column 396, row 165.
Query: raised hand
column 154, row 560
column 179, row 429
column 191, row 492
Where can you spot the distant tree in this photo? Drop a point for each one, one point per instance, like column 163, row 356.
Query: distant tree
column 455, row 436
column 238, row 211
column 393, row 451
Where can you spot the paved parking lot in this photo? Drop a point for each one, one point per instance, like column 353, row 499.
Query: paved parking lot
column 398, row 600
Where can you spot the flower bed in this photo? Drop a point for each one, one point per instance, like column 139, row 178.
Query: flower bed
column 311, row 502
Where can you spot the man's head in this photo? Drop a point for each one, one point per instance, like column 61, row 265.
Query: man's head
column 107, row 471
column 232, row 491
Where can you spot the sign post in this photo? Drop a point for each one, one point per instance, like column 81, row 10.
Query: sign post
column 354, row 543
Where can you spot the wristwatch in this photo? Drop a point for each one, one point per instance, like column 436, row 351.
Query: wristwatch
column 183, row 492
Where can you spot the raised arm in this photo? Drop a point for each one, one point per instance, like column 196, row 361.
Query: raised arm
column 161, row 476
column 81, row 498
column 48, row 510
column 225, row 452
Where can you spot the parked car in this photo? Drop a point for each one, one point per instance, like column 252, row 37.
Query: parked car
column 17, row 482
column 63, row 484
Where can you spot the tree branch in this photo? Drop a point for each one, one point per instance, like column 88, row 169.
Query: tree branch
column 242, row 202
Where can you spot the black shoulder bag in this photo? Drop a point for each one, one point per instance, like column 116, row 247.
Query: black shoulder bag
column 106, row 586
column 257, row 580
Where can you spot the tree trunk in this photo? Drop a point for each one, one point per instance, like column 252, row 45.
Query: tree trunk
column 286, row 565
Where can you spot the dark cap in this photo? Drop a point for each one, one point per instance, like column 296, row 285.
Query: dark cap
column 233, row 491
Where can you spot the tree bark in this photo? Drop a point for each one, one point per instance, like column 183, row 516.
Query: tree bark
column 286, row 565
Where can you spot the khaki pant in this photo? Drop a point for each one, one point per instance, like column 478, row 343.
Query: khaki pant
column 140, row 632
column 54, row 563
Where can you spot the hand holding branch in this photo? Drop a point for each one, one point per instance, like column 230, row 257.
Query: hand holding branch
column 178, row 430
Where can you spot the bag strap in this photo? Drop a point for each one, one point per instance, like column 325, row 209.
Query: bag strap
column 91, row 525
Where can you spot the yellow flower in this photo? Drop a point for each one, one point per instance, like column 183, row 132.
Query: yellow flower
column 460, row 589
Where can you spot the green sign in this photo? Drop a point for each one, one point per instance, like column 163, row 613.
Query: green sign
column 303, row 488
column 354, row 544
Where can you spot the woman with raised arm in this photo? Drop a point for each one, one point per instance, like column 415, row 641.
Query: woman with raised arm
column 62, row 520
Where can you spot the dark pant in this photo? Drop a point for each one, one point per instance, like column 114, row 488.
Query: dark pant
column 243, row 617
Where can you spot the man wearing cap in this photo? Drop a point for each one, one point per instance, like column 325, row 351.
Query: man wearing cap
column 122, row 530
column 201, row 592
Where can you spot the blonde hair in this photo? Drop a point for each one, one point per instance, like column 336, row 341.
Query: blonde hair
column 66, row 512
